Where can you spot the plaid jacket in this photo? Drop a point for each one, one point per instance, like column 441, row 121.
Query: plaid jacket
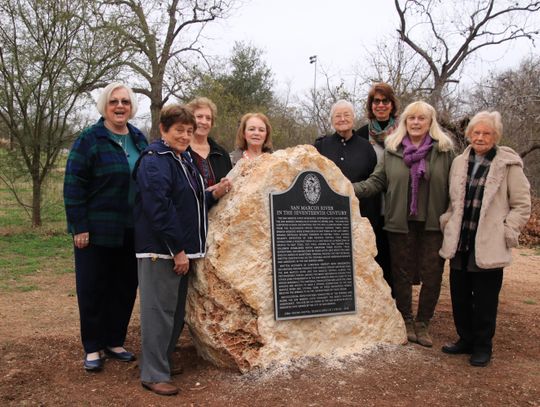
column 96, row 185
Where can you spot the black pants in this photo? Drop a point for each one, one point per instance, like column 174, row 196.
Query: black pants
column 475, row 297
column 106, row 279
column 383, row 253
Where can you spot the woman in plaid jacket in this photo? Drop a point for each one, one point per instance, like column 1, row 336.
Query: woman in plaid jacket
column 99, row 196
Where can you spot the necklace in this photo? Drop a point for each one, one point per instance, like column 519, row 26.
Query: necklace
column 119, row 139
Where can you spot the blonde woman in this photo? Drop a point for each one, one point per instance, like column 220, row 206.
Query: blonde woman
column 414, row 175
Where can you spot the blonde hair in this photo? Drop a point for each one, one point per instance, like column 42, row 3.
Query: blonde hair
column 393, row 141
column 105, row 95
column 202, row 102
column 492, row 119
column 241, row 142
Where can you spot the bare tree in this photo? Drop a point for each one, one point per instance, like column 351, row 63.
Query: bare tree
column 393, row 62
column 515, row 93
column 316, row 107
column 51, row 54
column 162, row 37
column 446, row 35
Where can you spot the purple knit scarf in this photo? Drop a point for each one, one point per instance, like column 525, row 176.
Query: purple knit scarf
column 414, row 158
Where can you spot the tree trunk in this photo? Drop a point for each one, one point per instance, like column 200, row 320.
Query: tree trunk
column 156, row 103
column 154, row 130
column 36, row 202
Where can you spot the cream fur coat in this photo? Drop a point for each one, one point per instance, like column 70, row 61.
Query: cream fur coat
column 506, row 207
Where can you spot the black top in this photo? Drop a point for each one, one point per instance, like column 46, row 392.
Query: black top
column 219, row 160
column 356, row 159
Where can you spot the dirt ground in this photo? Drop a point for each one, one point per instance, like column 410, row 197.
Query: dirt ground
column 41, row 361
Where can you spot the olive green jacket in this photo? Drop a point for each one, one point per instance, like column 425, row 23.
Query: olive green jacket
column 391, row 175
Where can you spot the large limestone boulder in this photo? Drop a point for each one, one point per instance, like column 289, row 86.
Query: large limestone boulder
column 230, row 307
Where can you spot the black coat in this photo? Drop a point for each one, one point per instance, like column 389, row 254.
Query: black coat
column 356, row 159
column 219, row 160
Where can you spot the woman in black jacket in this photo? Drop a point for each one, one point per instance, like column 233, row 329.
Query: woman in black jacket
column 382, row 111
column 210, row 158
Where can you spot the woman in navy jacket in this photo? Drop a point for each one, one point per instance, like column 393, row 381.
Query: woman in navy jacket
column 170, row 230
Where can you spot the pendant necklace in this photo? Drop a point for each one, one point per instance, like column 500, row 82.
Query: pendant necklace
column 120, row 140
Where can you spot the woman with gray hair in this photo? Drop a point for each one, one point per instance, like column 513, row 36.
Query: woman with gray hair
column 414, row 176
column 99, row 195
column 490, row 202
column 353, row 154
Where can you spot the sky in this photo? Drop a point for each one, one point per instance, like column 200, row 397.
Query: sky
column 338, row 32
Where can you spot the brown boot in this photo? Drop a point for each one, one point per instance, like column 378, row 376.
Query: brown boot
column 422, row 334
column 162, row 388
column 411, row 334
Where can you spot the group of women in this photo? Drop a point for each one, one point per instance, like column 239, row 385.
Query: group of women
column 427, row 205
column 138, row 216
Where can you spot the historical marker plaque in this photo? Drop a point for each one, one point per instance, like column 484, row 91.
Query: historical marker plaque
column 312, row 250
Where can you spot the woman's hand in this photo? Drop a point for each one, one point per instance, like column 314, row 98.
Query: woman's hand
column 218, row 190
column 81, row 240
column 181, row 263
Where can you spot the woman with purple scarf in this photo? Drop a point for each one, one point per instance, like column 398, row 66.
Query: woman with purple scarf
column 414, row 176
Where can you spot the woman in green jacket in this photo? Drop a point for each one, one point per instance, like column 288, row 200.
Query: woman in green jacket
column 414, row 176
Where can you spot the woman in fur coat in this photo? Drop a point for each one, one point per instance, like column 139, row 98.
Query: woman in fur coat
column 489, row 204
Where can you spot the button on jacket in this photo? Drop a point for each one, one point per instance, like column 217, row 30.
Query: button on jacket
column 356, row 159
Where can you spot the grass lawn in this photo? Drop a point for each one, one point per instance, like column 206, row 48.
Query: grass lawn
column 25, row 252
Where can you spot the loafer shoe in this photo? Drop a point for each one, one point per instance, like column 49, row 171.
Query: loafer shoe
column 480, row 358
column 162, row 388
column 121, row 356
column 458, row 348
column 93, row 365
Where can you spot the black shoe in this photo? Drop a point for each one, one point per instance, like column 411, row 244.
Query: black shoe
column 93, row 365
column 121, row 356
column 480, row 358
column 458, row 348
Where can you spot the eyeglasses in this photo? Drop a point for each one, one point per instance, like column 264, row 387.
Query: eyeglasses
column 116, row 102
column 377, row 101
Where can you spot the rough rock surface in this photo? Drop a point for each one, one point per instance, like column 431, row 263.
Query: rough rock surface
column 230, row 307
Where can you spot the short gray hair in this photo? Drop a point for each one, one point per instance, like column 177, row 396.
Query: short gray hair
column 342, row 103
column 105, row 95
column 492, row 119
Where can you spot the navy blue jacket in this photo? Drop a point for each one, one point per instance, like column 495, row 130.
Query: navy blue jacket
column 170, row 214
